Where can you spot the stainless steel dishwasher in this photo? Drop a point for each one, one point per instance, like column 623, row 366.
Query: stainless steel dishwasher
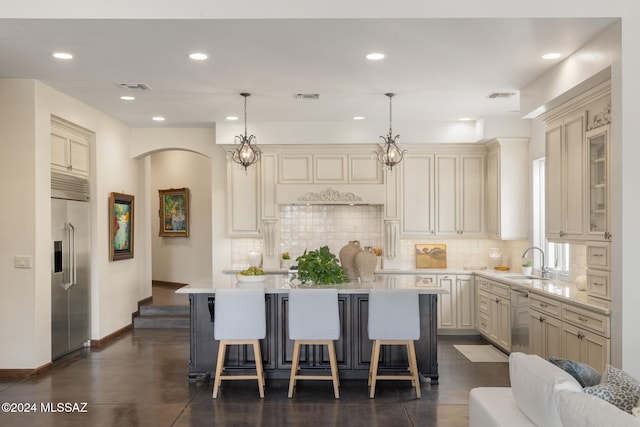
column 519, row 321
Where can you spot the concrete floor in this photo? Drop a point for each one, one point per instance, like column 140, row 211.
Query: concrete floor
column 140, row 379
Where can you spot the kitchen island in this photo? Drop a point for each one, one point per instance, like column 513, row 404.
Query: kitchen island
column 353, row 349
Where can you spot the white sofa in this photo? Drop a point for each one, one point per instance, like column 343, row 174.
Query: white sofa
column 541, row 394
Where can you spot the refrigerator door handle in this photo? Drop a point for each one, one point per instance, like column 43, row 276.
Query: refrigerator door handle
column 71, row 261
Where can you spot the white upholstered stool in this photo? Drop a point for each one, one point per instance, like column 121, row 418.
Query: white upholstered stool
column 314, row 319
column 394, row 319
column 239, row 319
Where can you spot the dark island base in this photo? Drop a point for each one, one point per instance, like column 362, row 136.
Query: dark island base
column 353, row 349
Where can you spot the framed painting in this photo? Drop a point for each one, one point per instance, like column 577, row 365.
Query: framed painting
column 174, row 212
column 121, row 210
column 431, row 256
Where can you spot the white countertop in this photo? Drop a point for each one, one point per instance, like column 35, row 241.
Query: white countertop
column 279, row 283
column 562, row 291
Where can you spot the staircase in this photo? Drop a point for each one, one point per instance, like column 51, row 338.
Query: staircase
column 162, row 316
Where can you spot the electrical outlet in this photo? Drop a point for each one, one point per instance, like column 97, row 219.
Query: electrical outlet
column 22, row 261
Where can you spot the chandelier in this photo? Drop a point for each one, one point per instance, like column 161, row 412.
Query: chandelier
column 245, row 154
column 390, row 153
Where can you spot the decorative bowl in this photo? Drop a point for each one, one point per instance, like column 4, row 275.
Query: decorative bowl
column 250, row 279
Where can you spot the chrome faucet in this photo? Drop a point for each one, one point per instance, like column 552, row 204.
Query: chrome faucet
column 543, row 269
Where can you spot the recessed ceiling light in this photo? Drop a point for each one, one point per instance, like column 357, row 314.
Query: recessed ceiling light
column 127, row 98
column 375, row 56
column 62, row 55
column 358, row 118
column 158, row 119
column 551, row 55
column 198, row 56
column 231, row 118
column 465, row 119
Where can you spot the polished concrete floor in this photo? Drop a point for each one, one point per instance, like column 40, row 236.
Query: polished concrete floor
column 140, row 379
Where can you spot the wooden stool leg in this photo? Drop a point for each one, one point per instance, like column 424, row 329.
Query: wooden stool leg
column 374, row 367
column 257, row 354
column 413, row 364
column 373, row 349
column 334, row 368
column 219, row 366
column 294, row 367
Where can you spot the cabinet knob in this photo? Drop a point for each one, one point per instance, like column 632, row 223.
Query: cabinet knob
column 497, row 300
column 561, row 233
column 583, row 319
column 541, row 319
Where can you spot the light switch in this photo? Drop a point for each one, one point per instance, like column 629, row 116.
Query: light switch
column 22, row 261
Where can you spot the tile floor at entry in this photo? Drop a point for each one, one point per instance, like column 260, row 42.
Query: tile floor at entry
column 140, row 379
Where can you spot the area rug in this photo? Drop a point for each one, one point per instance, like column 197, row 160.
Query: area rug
column 482, row 353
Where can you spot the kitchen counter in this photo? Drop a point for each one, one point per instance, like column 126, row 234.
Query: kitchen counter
column 559, row 290
column 353, row 348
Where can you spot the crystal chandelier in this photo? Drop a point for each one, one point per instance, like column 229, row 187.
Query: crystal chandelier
column 246, row 154
column 390, row 153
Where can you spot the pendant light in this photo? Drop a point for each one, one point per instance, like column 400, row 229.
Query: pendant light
column 245, row 154
column 390, row 153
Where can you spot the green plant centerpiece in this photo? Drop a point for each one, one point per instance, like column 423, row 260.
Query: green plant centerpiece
column 320, row 266
column 285, row 255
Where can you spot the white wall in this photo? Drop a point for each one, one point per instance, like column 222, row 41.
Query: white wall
column 182, row 259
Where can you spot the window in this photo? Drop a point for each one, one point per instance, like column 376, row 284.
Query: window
column 556, row 254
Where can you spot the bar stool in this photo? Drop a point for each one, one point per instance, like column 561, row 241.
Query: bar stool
column 394, row 319
column 239, row 319
column 314, row 319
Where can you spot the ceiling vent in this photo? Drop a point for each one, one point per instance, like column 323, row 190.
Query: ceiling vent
column 308, row 95
column 135, row 86
column 501, row 95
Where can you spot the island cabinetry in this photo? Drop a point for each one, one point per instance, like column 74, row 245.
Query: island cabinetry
column 494, row 312
column 507, row 200
column 456, row 310
column 459, row 195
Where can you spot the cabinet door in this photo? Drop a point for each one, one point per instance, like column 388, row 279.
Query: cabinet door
column 364, row 170
column 471, row 194
column 544, row 335
column 536, row 333
column 503, row 314
column 553, row 181
column 295, row 169
column 574, row 175
column 598, row 181
column 330, row 169
column 465, row 302
column 243, row 200
column 571, row 342
column 447, row 201
column 595, row 351
column 552, row 337
column 417, row 195
column 493, row 193
column 447, row 303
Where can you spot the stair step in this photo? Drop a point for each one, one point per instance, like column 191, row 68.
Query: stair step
column 162, row 321
column 164, row 310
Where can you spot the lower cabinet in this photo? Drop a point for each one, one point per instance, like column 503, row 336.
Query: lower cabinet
column 456, row 310
column 563, row 330
column 494, row 312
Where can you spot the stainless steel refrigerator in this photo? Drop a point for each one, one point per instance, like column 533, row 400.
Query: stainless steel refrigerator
column 70, row 276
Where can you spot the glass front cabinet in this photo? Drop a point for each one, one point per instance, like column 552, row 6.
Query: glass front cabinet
column 598, row 191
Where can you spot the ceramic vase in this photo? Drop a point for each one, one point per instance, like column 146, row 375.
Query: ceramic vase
column 366, row 264
column 348, row 259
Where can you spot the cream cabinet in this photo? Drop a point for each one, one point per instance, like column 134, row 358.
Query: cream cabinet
column 243, row 200
column 598, row 198
column 565, row 176
column 459, row 195
column 69, row 150
column 456, row 309
column 328, row 166
column 417, row 195
column 507, row 189
column 494, row 312
column 545, row 327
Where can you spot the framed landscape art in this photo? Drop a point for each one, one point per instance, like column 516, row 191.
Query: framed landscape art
column 174, row 212
column 431, row 256
column 121, row 210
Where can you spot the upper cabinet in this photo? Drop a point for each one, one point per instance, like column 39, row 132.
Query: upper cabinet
column 597, row 146
column 459, row 195
column 577, row 168
column 69, row 149
column 507, row 189
column 565, row 174
column 243, row 200
column 417, row 194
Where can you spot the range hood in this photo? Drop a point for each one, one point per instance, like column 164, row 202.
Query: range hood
column 337, row 194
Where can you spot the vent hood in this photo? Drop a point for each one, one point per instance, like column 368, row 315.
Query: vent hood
column 338, row 194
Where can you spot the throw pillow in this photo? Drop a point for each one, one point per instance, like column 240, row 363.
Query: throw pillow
column 534, row 383
column 618, row 388
column 585, row 374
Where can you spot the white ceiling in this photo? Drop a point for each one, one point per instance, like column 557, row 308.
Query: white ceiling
column 441, row 69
